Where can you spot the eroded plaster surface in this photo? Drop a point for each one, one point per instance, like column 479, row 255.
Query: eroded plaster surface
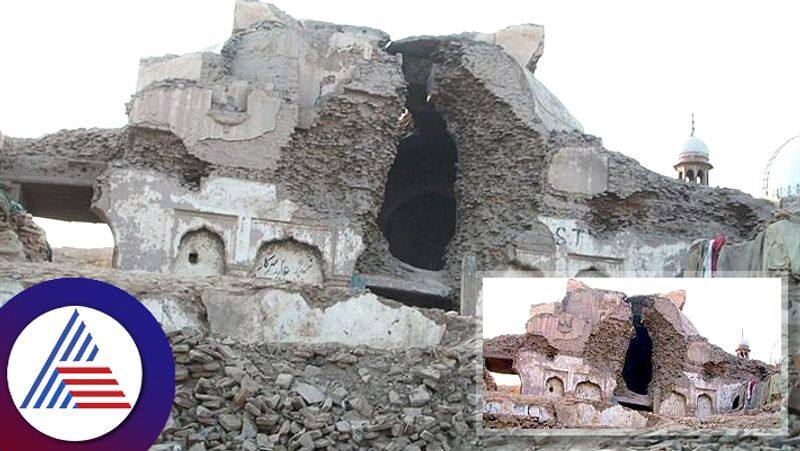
column 626, row 253
column 150, row 214
column 281, row 316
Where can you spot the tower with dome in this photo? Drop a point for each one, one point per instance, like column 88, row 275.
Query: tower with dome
column 743, row 350
column 693, row 165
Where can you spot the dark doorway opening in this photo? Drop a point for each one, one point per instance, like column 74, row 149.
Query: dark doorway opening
column 500, row 365
column 62, row 202
column 638, row 370
column 418, row 217
column 735, row 403
column 420, row 229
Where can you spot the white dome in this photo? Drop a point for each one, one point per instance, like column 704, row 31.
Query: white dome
column 784, row 174
column 694, row 146
column 744, row 344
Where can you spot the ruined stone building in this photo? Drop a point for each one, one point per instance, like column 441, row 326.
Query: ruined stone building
column 355, row 162
column 314, row 184
column 603, row 349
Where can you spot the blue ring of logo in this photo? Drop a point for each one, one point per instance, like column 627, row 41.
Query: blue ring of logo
column 150, row 413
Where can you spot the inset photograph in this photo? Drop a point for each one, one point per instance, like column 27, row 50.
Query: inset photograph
column 668, row 354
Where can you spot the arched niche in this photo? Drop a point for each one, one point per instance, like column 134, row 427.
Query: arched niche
column 554, row 387
column 289, row 260
column 705, row 406
column 673, row 405
column 589, row 391
column 200, row 253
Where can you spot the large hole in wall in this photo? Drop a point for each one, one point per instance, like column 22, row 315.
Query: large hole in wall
column 75, row 242
column 73, row 233
column 504, row 374
column 418, row 216
column 638, row 369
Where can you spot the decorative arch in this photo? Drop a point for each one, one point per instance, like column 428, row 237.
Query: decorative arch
column 588, row 390
column 184, row 230
column 705, row 406
column 289, row 260
column 673, row 405
column 554, row 386
column 690, row 175
column 201, row 252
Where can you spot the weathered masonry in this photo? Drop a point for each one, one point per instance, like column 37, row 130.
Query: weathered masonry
column 331, row 155
column 601, row 348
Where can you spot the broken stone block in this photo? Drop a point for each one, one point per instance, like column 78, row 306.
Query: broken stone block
column 309, row 393
column 578, row 170
column 230, row 422
column 174, row 315
column 284, row 381
column 419, row 397
column 250, row 12
column 577, row 415
column 620, row 417
column 243, row 316
column 525, row 43
column 191, row 66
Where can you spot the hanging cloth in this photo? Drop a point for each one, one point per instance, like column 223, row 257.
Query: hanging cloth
column 716, row 246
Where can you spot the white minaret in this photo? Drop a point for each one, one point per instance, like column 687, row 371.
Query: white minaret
column 743, row 350
column 693, row 165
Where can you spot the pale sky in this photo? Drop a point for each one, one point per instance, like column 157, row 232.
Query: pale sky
column 632, row 72
column 719, row 308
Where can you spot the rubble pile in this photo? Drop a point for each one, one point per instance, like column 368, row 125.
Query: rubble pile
column 265, row 397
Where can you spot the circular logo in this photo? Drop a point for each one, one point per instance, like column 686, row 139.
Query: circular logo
column 87, row 368
column 74, row 373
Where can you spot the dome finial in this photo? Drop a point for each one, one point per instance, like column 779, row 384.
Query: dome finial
column 692, row 125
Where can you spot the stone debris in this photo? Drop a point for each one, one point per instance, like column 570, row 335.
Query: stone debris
column 587, row 360
column 282, row 409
